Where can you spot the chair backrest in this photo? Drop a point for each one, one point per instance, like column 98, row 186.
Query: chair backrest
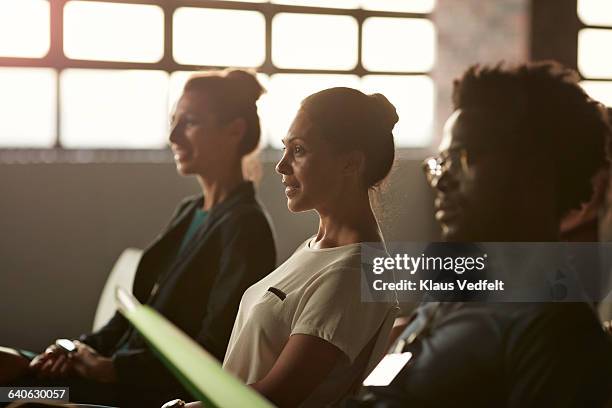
column 605, row 308
column 382, row 342
column 121, row 275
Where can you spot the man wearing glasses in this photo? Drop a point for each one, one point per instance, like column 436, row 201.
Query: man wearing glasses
column 517, row 154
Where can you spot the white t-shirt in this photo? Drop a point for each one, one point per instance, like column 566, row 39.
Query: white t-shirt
column 315, row 292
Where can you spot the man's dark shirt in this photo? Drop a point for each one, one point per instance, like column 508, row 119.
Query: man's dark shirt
column 502, row 355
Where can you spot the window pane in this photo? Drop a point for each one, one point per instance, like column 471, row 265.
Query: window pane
column 24, row 28
column 413, row 98
column 179, row 78
column 114, row 109
column 600, row 91
column 398, row 44
column 177, row 82
column 295, row 44
column 219, row 37
column 594, row 56
column 409, row 6
column 286, row 92
column 27, row 103
column 347, row 4
column 595, row 12
column 113, row 32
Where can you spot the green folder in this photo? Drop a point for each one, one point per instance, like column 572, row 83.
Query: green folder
column 197, row 370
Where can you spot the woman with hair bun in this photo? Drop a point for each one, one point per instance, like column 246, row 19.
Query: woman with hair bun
column 303, row 337
column 216, row 245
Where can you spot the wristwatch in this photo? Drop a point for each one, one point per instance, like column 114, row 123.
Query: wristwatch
column 177, row 403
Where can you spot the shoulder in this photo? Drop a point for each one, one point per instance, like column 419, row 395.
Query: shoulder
column 333, row 264
column 518, row 325
column 533, row 333
column 550, row 344
column 186, row 204
column 188, row 201
column 248, row 227
column 337, row 278
column 338, row 258
column 247, row 217
column 551, row 322
column 514, row 321
column 543, row 317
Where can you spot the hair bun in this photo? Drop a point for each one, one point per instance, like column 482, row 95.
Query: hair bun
column 387, row 115
column 248, row 82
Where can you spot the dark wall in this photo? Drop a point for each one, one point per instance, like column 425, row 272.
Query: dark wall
column 554, row 27
column 63, row 226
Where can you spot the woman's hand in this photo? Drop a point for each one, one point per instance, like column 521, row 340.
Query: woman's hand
column 52, row 363
column 12, row 364
column 177, row 403
column 87, row 363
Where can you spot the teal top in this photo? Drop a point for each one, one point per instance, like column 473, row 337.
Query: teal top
column 199, row 217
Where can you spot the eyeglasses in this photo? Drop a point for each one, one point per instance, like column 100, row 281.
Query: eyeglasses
column 454, row 161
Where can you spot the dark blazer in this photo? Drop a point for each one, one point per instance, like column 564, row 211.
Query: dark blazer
column 198, row 290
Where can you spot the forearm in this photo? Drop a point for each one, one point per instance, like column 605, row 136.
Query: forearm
column 142, row 368
column 283, row 394
column 105, row 339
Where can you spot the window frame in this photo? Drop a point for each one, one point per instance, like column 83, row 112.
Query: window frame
column 57, row 60
column 555, row 26
column 582, row 26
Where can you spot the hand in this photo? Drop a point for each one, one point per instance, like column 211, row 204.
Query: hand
column 52, row 363
column 176, row 403
column 12, row 365
column 607, row 326
column 87, row 363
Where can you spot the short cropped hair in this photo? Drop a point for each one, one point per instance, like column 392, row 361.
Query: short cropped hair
column 555, row 115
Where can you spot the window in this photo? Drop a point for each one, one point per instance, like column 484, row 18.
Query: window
column 24, row 28
column 595, row 12
column 414, row 6
column 413, row 98
column 286, row 91
column 113, row 108
column 210, row 37
column 599, row 90
column 333, row 45
column 594, row 57
column 27, row 103
column 105, row 31
column 120, row 66
column 348, row 4
column 383, row 52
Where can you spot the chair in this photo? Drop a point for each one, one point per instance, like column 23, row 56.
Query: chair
column 121, row 275
column 605, row 308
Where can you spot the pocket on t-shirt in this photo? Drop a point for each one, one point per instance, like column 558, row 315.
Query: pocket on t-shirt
column 277, row 292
